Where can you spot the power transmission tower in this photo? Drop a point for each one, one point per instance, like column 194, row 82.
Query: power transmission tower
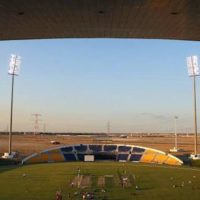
column 44, row 128
column 108, row 127
column 36, row 122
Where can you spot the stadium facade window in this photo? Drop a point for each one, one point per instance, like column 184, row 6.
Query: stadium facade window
column 95, row 148
column 80, row 148
column 66, row 149
column 138, row 150
column 135, row 157
column 70, row 157
column 80, row 157
column 123, row 157
column 124, row 148
column 110, row 147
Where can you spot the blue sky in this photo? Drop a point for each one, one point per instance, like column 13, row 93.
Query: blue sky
column 80, row 84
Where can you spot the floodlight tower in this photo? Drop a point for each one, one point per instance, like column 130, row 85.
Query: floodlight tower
column 14, row 67
column 193, row 71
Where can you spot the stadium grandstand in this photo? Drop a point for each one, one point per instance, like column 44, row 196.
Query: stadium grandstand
column 122, row 153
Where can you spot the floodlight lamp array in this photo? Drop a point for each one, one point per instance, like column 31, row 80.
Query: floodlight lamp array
column 192, row 64
column 14, row 65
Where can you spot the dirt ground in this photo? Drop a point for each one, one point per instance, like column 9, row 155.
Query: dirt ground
column 101, row 181
column 81, row 181
column 28, row 144
column 76, row 181
column 85, row 182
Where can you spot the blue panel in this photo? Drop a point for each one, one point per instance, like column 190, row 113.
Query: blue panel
column 185, row 158
column 66, row 149
column 110, row 147
column 80, row 157
column 135, row 157
column 122, row 157
column 69, row 157
column 124, row 148
column 81, row 148
column 138, row 150
column 95, row 148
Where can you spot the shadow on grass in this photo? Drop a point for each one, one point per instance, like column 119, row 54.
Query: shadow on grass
column 144, row 188
column 6, row 165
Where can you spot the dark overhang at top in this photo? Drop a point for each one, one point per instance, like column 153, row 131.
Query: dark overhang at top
column 39, row 19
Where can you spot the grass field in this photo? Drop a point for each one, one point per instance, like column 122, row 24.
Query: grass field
column 104, row 179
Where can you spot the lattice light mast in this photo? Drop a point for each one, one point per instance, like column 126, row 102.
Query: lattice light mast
column 193, row 71
column 14, row 67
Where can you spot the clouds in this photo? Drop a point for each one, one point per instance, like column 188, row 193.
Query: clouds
column 156, row 116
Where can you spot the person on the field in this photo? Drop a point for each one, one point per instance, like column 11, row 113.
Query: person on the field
column 72, row 184
column 78, row 171
column 58, row 195
column 84, row 196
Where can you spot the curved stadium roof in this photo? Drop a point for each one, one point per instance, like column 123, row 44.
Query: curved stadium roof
column 115, row 152
column 39, row 19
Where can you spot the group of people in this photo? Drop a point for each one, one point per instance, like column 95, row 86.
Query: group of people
column 88, row 195
column 85, row 195
column 58, row 195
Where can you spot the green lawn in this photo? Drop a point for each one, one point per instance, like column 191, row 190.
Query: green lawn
column 153, row 182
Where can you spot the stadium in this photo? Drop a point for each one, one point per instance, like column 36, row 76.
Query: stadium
column 101, row 171
column 40, row 165
column 112, row 152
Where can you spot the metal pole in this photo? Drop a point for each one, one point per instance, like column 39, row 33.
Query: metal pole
column 195, row 116
column 11, row 109
column 11, row 116
column 175, row 118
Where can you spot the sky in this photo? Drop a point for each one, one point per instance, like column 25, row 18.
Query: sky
column 78, row 85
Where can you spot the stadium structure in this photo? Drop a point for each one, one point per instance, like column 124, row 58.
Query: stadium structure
column 101, row 152
column 177, row 19
column 156, row 19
